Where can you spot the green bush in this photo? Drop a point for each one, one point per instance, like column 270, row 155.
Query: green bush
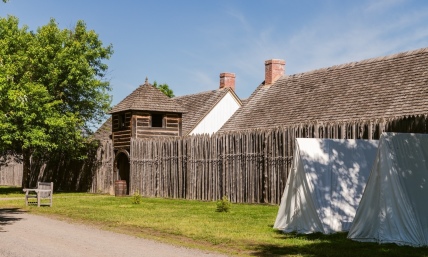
column 136, row 199
column 224, row 204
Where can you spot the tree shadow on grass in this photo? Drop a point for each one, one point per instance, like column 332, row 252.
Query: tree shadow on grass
column 320, row 245
column 10, row 190
column 8, row 217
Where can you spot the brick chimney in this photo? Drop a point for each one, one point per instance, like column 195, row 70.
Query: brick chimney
column 227, row 79
column 274, row 69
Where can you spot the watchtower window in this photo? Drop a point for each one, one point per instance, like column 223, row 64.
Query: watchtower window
column 121, row 120
column 157, row 120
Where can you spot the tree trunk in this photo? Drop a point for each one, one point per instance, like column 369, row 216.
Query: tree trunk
column 26, row 169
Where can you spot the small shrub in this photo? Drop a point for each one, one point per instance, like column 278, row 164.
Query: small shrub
column 136, row 198
column 223, row 205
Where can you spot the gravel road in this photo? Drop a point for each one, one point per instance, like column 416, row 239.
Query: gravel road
column 23, row 234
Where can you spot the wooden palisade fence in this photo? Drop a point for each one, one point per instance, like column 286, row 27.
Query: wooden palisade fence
column 102, row 178
column 247, row 166
column 11, row 174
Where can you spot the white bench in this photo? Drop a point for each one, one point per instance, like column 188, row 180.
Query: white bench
column 44, row 190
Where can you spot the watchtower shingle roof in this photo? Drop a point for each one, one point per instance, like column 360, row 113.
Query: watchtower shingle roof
column 148, row 98
column 388, row 88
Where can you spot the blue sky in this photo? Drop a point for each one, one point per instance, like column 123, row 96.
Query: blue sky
column 188, row 43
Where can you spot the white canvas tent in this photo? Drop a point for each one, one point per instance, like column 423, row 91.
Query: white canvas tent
column 325, row 184
column 394, row 206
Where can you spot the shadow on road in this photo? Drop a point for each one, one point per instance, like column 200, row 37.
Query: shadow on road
column 8, row 217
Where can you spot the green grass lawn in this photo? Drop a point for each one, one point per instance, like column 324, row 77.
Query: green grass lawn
column 246, row 230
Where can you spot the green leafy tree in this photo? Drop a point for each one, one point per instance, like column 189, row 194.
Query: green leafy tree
column 164, row 88
column 52, row 88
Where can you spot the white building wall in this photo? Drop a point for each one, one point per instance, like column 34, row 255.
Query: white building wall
column 215, row 119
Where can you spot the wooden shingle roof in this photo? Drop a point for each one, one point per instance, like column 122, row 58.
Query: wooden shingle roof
column 388, row 88
column 148, row 98
column 199, row 105
column 104, row 132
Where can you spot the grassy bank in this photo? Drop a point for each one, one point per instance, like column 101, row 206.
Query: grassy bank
column 245, row 230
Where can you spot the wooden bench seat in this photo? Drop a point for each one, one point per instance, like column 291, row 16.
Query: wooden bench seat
column 43, row 191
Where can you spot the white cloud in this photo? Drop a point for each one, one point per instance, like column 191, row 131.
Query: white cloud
column 382, row 5
column 200, row 81
column 242, row 20
column 333, row 40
